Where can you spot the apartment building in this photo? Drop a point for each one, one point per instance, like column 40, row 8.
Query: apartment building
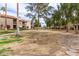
column 11, row 22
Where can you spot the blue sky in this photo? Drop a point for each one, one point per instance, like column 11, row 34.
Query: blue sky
column 11, row 7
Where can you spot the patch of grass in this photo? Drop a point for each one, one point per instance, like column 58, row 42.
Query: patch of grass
column 3, row 39
column 15, row 37
column 4, row 50
column 10, row 40
column 6, row 32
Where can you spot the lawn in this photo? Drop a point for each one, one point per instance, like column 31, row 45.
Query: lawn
column 9, row 39
column 6, row 32
column 6, row 41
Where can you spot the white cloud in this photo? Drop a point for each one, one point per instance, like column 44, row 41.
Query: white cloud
column 22, row 12
column 54, row 5
column 12, row 9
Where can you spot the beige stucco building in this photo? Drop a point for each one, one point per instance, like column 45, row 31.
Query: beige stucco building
column 24, row 23
column 12, row 22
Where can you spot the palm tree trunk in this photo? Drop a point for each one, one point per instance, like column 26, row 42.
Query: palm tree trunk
column 5, row 16
column 67, row 26
column 76, row 29
column 17, row 32
column 38, row 16
column 0, row 25
column 38, row 20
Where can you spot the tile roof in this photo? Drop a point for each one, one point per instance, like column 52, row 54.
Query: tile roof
column 12, row 17
column 7, row 16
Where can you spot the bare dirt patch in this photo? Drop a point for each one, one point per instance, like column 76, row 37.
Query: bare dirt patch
column 41, row 43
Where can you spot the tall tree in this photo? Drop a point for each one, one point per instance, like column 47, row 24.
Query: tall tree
column 48, row 23
column 5, row 16
column 56, row 17
column 4, row 9
column 76, row 16
column 69, row 13
column 17, row 32
column 38, row 10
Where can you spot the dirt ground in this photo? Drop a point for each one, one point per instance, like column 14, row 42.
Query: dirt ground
column 44, row 43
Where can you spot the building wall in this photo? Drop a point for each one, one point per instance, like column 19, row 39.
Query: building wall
column 20, row 23
column 28, row 24
column 2, row 22
column 9, row 22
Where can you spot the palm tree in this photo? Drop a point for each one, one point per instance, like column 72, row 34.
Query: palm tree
column 76, row 16
column 39, row 10
column 17, row 32
column 5, row 16
column 4, row 9
column 66, row 13
column 57, row 17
